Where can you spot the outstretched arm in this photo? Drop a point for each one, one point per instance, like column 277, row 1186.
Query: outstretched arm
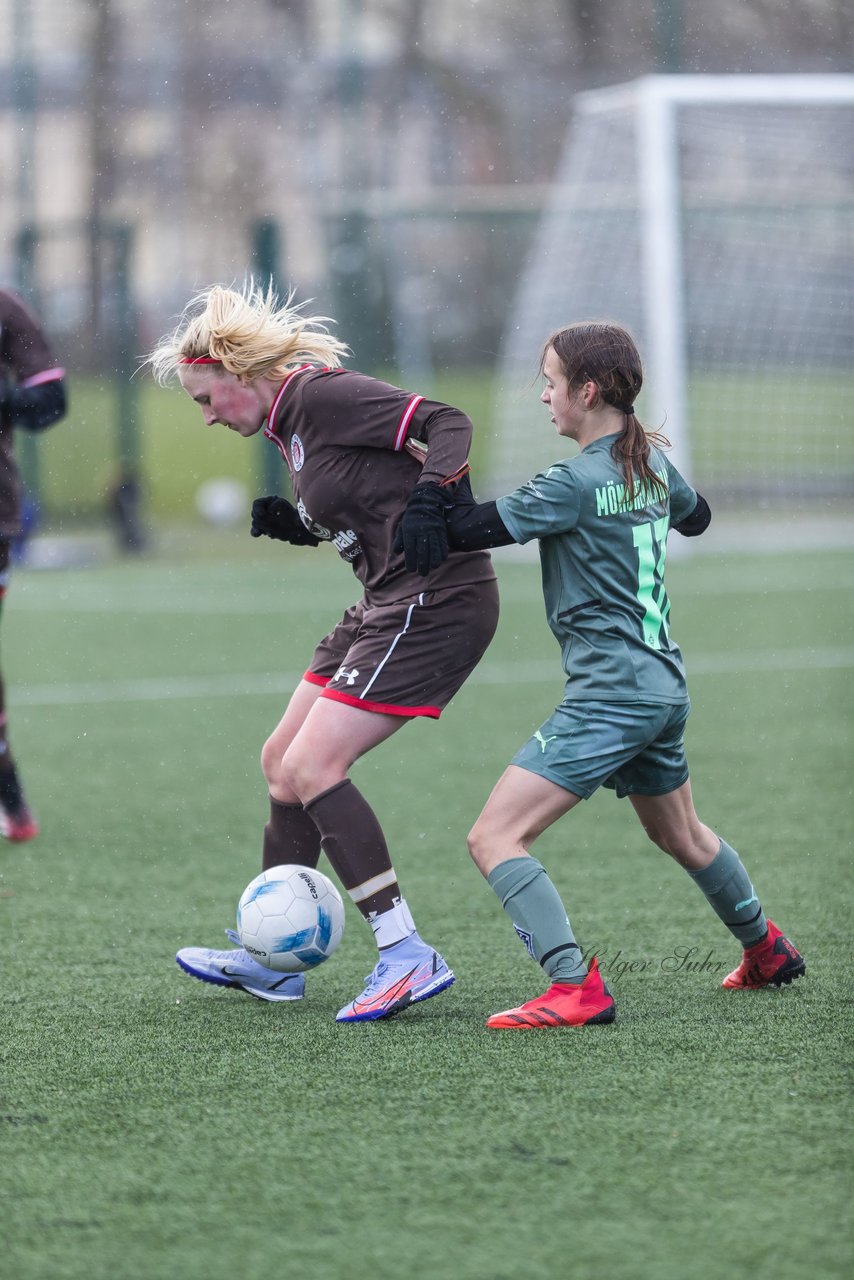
column 472, row 525
column 443, row 517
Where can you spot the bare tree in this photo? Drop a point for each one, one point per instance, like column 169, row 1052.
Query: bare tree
column 103, row 124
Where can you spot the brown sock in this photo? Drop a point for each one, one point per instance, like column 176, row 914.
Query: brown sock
column 355, row 846
column 289, row 836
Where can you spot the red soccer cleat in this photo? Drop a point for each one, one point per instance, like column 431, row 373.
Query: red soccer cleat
column 772, row 962
column 18, row 827
column 563, row 1005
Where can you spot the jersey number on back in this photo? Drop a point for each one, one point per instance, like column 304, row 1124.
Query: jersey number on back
column 651, row 542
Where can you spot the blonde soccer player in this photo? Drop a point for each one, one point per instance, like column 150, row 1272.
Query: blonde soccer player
column 370, row 466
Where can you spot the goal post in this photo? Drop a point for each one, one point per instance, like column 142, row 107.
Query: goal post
column 714, row 217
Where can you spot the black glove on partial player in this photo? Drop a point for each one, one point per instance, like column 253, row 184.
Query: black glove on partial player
column 274, row 517
column 33, row 408
column 421, row 533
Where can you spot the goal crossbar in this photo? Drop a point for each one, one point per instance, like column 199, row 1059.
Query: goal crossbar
column 695, row 90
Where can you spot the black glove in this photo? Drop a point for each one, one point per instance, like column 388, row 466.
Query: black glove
column 274, row 517
column 421, row 532
column 472, row 525
column 33, row 408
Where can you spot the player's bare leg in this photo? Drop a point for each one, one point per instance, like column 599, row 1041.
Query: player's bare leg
column 521, row 807
column 671, row 822
column 289, row 836
column 16, row 821
column 315, row 768
column 314, row 771
column 301, row 702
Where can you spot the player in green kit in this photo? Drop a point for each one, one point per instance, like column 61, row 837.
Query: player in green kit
column 602, row 520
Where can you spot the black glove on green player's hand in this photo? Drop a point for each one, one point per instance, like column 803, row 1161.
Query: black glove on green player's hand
column 421, row 532
column 274, row 517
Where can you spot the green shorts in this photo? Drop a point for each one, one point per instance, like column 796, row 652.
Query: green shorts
column 635, row 748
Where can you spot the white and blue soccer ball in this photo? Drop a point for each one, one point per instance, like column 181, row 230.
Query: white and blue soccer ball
column 290, row 918
column 223, row 501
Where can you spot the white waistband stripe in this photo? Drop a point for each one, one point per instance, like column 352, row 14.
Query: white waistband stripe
column 369, row 887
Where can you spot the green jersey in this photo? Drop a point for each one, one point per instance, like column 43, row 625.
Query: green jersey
column 603, row 572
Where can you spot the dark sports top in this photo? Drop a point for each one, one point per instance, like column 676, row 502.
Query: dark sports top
column 26, row 360
column 351, row 444
column 603, row 572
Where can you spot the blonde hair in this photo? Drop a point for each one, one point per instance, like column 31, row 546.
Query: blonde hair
column 249, row 331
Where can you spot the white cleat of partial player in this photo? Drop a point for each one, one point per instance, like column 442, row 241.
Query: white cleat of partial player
column 238, row 969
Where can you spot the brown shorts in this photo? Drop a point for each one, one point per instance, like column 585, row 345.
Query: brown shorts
column 407, row 659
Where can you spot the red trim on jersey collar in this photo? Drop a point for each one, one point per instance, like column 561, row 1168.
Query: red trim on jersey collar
column 270, row 429
column 279, row 445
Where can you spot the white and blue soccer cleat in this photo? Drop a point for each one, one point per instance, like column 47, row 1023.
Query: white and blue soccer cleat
column 395, row 984
column 238, row 969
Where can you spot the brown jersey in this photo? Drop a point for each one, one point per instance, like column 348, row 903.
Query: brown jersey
column 344, row 438
column 25, row 360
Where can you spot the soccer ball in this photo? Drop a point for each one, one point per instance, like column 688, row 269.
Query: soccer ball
column 290, row 918
column 223, row 501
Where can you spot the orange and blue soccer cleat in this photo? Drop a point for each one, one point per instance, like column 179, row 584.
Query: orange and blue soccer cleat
column 563, row 1005
column 395, row 985
column 773, row 962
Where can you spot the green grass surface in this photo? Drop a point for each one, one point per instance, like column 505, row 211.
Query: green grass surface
column 154, row 1126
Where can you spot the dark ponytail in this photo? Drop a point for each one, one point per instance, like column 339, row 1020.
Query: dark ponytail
column 631, row 451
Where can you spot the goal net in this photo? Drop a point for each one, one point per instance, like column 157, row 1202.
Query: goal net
column 713, row 216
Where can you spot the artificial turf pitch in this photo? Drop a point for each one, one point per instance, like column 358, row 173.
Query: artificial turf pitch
column 155, row 1126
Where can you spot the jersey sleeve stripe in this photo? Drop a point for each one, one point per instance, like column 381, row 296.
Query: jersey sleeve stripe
column 403, row 425
column 48, row 375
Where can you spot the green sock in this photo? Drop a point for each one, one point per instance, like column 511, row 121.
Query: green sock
column 727, row 886
column 539, row 917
